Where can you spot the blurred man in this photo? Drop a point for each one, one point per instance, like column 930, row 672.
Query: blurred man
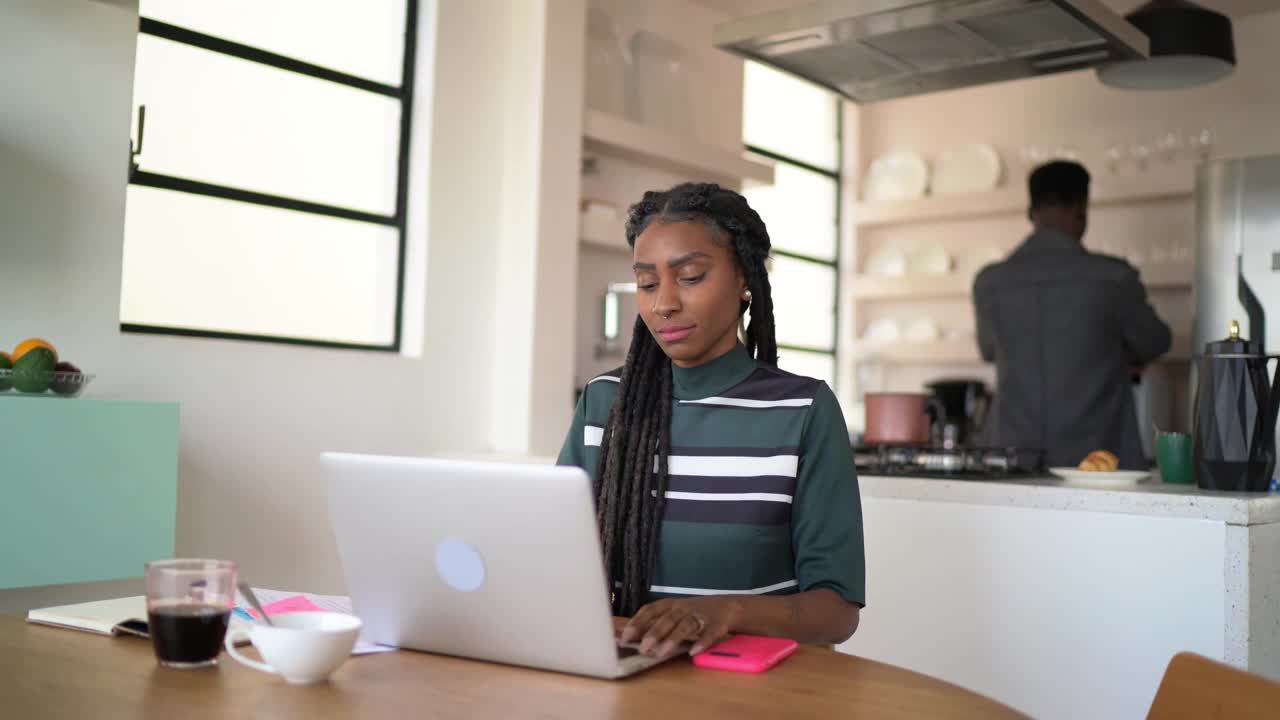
column 1065, row 327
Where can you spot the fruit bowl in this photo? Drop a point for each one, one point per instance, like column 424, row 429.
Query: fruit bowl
column 56, row 384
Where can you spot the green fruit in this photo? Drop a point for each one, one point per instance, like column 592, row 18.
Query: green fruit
column 32, row 372
column 5, row 381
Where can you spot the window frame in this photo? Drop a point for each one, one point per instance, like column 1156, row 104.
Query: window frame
column 403, row 93
column 833, row 264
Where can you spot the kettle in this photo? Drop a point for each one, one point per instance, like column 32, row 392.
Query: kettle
column 1234, row 435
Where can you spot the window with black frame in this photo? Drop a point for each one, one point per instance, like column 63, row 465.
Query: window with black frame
column 269, row 172
column 797, row 125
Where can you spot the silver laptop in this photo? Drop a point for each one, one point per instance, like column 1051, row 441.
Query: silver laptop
column 483, row 560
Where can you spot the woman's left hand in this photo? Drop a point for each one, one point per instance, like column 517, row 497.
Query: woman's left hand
column 662, row 625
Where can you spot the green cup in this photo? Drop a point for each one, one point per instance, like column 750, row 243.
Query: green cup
column 1173, row 455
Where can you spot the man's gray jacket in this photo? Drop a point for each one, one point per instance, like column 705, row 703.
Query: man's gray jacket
column 1065, row 327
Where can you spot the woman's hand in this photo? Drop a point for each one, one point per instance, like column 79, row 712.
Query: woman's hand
column 662, row 625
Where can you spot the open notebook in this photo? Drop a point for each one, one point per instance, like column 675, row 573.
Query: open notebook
column 128, row 616
column 122, row 616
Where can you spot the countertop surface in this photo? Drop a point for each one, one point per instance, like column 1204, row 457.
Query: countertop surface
column 1150, row 497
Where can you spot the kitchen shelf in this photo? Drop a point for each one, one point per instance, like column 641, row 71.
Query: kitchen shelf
column 954, row 351
column 603, row 232
column 964, row 351
column 911, row 287
column 926, row 287
column 1174, row 182
column 613, row 135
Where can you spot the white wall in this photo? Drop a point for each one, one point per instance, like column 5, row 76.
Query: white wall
column 536, row 293
column 255, row 416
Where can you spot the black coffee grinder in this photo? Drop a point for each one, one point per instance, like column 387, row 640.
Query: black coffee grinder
column 959, row 408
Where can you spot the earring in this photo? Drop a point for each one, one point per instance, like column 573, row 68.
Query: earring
column 746, row 295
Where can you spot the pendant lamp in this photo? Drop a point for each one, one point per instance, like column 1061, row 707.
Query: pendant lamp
column 1190, row 45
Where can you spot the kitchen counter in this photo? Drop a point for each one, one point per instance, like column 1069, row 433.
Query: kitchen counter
column 1011, row 587
column 1147, row 498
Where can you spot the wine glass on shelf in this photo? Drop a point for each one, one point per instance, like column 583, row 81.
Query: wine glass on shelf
column 1169, row 145
column 1032, row 157
column 1066, row 151
column 1160, row 250
column 1140, row 151
column 1135, row 255
column 1181, row 253
column 1115, row 154
column 1201, row 144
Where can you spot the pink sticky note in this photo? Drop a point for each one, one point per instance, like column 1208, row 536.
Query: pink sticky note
column 297, row 603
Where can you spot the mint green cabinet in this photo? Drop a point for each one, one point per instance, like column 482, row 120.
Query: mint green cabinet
column 88, row 488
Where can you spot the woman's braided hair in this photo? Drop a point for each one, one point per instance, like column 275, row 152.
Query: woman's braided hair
column 631, row 486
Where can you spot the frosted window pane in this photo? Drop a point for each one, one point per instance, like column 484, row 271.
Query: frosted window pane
column 359, row 37
column 227, row 121
column 804, row 302
column 789, row 116
column 799, row 210
column 209, row 264
column 815, row 365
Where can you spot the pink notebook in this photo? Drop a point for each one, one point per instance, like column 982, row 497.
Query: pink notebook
column 296, row 603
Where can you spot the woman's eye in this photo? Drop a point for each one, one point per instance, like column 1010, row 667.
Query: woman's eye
column 693, row 280
column 646, row 287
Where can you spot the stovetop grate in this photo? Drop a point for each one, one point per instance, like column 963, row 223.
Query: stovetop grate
column 955, row 463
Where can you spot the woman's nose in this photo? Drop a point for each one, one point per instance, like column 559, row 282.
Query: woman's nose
column 666, row 301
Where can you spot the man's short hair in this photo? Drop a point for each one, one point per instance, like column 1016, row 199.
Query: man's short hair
column 1060, row 183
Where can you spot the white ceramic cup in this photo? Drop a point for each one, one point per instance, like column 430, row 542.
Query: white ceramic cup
column 301, row 647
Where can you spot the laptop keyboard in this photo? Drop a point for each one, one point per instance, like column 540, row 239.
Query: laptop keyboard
column 626, row 652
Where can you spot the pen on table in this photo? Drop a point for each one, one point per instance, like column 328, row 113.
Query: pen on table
column 243, row 613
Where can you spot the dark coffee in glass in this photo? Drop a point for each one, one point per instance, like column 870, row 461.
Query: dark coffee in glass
column 188, row 610
column 188, row 634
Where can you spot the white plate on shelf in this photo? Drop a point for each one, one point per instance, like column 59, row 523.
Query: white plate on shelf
column 887, row 262
column 921, row 330
column 896, row 176
column 884, row 330
column 971, row 261
column 1114, row 479
column 929, row 260
column 966, row 169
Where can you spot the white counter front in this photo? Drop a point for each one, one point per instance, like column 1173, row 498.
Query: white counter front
column 1146, row 498
column 1063, row 601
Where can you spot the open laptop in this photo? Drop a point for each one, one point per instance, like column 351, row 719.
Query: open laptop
column 483, row 560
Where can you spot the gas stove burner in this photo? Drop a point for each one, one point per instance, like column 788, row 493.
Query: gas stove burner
column 944, row 460
column 975, row 463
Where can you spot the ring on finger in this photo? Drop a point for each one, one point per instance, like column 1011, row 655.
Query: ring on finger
column 702, row 624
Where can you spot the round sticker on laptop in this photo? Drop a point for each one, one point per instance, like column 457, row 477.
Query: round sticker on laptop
column 459, row 564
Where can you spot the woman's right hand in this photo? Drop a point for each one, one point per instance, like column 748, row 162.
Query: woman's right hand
column 663, row 625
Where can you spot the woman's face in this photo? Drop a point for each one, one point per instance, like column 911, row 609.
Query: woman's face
column 688, row 290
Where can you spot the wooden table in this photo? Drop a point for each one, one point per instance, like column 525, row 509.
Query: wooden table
column 51, row 672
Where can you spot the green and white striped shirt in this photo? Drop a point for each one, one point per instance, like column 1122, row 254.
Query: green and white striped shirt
column 763, row 493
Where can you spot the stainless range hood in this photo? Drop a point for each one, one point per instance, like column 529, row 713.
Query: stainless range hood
column 869, row 50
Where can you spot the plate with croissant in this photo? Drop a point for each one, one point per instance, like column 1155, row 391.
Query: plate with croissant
column 1100, row 469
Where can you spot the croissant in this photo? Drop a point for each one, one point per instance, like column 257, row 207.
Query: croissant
column 1100, row 461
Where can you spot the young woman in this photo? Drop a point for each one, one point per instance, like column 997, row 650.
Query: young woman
column 725, row 488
